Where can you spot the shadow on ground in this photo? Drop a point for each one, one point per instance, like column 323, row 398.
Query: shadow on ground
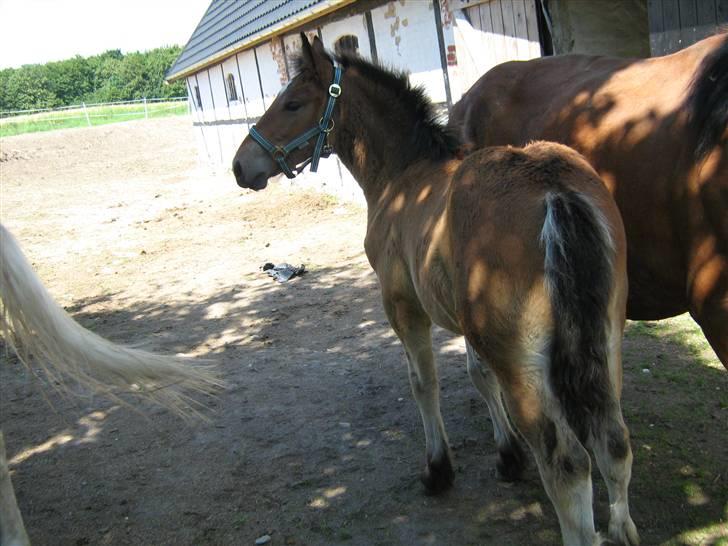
column 316, row 439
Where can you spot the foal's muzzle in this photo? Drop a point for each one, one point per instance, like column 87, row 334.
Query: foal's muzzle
column 256, row 182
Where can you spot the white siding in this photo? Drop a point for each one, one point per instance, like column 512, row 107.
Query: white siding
column 195, row 110
column 407, row 40
column 497, row 31
column 203, row 82
column 270, row 76
column 236, row 107
column 218, row 92
column 253, row 98
column 355, row 25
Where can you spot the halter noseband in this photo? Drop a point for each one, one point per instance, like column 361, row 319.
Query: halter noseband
column 324, row 127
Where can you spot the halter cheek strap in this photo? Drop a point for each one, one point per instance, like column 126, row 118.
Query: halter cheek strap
column 324, row 127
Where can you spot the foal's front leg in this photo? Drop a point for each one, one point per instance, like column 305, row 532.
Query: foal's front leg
column 413, row 327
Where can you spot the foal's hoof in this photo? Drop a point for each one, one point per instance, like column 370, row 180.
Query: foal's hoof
column 438, row 476
column 511, row 462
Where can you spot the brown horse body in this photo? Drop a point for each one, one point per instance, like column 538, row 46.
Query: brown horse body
column 520, row 250
column 639, row 123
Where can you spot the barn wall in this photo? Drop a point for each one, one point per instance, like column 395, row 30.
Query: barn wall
column 401, row 29
column 677, row 24
column 405, row 37
column 492, row 32
column 355, row 25
column 600, row 27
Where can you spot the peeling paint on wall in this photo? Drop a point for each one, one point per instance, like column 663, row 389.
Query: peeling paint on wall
column 446, row 14
column 391, row 13
column 276, row 50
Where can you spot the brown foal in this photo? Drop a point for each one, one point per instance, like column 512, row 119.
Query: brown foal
column 522, row 251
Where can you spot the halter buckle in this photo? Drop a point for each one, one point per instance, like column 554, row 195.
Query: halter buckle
column 335, row 90
column 278, row 154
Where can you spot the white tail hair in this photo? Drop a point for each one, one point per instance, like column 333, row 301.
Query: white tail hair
column 34, row 325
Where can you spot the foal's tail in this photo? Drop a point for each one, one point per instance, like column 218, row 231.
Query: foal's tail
column 33, row 324
column 708, row 100
column 579, row 257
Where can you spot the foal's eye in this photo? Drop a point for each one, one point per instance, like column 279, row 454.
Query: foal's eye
column 292, row 106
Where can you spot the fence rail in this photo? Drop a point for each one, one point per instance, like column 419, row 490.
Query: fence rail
column 44, row 119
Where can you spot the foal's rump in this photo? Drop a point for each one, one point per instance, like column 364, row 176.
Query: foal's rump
column 543, row 270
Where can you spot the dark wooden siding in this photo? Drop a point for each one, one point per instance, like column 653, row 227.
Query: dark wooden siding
column 677, row 24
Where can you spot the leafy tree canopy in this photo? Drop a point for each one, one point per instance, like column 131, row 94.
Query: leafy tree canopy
column 110, row 76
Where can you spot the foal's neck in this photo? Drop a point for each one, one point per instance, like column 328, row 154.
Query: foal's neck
column 375, row 135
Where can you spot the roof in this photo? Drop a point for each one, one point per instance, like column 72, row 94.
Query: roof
column 229, row 26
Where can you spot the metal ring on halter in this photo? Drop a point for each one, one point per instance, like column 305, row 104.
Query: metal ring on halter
column 279, row 153
column 329, row 128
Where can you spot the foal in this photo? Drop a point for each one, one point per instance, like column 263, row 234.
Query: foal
column 522, row 251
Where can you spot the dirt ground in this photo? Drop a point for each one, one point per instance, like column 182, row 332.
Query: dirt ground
column 316, row 439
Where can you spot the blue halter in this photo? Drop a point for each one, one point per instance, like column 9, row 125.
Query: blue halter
column 324, row 127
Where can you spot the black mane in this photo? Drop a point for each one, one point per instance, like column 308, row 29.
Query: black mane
column 430, row 137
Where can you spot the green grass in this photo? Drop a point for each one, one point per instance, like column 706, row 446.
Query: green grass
column 98, row 115
column 681, row 330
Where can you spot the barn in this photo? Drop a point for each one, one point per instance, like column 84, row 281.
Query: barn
column 239, row 56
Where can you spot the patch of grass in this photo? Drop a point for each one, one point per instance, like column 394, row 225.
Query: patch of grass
column 240, row 521
column 97, row 115
column 681, row 330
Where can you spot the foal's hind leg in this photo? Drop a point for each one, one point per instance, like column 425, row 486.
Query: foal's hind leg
column 511, row 457
column 563, row 462
column 610, row 445
column 614, row 459
column 413, row 327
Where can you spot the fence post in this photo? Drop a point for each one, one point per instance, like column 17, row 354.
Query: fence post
column 146, row 113
column 88, row 119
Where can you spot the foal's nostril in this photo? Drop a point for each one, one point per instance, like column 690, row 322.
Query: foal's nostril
column 238, row 172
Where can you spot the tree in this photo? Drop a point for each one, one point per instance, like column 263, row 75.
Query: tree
column 28, row 88
column 110, row 76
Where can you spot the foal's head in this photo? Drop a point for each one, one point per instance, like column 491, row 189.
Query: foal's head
column 297, row 109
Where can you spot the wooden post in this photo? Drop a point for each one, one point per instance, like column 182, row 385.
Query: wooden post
column 146, row 113
column 85, row 111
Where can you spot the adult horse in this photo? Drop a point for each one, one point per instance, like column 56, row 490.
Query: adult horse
column 36, row 327
column 656, row 131
column 522, row 251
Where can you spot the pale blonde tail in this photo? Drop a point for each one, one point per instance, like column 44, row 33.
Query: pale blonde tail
column 35, row 326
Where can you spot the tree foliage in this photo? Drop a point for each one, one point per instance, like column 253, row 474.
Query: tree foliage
column 110, row 76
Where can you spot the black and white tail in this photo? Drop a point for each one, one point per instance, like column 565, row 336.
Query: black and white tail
column 34, row 325
column 579, row 258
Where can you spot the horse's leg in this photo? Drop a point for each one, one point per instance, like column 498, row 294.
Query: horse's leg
column 614, row 458
column 613, row 454
column 711, row 313
column 562, row 460
column 511, row 457
column 412, row 326
column 12, row 531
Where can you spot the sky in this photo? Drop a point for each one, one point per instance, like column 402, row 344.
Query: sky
column 39, row 31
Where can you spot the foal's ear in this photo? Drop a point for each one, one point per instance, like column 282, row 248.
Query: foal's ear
column 315, row 57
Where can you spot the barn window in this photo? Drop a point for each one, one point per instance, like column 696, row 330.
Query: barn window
column 198, row 99
column 232, row 92
column 347, row 44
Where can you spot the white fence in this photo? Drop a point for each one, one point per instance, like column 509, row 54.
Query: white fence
column 90, row 114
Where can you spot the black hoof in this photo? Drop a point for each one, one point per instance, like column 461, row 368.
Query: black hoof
column 511, row 462
column 438, row 476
